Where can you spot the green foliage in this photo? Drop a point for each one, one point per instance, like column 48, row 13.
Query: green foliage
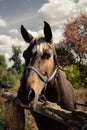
column 2, row 119
column 83, row 74
column 64, row 56
column 9, row 77
column 16, row 59
column 75, row 76
column 75, row 36
column 3, row 61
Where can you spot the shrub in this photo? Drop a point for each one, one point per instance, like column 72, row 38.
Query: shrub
column 2, row 119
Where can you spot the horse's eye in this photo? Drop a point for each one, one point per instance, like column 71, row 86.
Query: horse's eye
column 45, row 55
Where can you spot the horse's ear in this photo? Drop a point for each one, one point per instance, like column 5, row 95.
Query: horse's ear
column 47, row 32
column 27, row 37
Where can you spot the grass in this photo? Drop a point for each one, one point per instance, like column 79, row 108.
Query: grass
column 2, row 119
column 81, row 95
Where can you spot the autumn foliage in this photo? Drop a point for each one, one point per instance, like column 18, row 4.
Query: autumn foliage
column 72, row 50
column 75, row 33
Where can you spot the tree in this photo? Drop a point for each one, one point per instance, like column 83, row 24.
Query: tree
column 75, row 33
column 8, row 77
column 3, row 61
column 75, row 76
column 83, row 74
column 64, row 56
column 73, row 49
column 17, row 65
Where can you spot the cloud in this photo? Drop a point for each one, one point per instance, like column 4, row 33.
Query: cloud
column 33, row 33
column 6, row 43
column 80, row 7
column 13, row 31
column 3, row 23
column 24, row 18
column 1, row 0
column 57, row 36
column 56, row 11
column 76, row 1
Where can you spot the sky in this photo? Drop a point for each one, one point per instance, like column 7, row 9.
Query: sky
column 31, row 14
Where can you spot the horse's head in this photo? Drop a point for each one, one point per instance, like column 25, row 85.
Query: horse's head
column 39, row 62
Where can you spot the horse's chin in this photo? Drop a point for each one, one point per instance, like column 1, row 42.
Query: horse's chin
column 33, row 98
column 33, row 104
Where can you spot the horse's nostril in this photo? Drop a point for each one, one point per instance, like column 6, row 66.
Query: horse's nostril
column 31, row 95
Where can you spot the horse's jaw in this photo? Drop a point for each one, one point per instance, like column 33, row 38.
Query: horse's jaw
column 33, row 104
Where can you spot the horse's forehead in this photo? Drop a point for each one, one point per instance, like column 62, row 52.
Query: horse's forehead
column 39, row 45
column 40, row 40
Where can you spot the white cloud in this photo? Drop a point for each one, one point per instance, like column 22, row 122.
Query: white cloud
column 13, row 31
column 3, row 23
column 34, row 34
column 57, row 35
column 58, row 11
column 6, row 43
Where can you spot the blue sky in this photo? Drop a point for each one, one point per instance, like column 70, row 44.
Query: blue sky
column 32, row 13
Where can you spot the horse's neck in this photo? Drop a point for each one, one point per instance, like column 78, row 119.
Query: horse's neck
column 68, row 98
column 61, row 92
column 53, row 91
column 56, row 88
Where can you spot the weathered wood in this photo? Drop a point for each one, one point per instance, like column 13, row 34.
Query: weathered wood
column 76, row 119
column 15, row 119
column 14, row 115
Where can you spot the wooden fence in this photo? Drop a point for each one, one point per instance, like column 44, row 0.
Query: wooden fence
column 15, row 117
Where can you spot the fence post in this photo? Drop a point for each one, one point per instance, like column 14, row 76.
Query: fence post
column 14, row 116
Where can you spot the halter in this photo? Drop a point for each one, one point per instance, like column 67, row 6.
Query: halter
column 45, row 80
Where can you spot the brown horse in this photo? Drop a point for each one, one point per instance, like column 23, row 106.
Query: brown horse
column 42, row 77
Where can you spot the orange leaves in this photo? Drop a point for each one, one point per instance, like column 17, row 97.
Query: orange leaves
column 75, row 32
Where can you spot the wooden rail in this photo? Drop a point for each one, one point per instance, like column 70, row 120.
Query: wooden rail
column 15, row 117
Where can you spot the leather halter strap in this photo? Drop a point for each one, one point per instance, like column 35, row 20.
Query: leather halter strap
column 46, row 81
column 41, row 76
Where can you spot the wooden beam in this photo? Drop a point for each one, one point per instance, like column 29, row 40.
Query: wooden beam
column 76, row 119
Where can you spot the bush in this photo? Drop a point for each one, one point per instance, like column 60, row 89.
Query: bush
column 8, row 78
column 74, row 75
column 2, row 119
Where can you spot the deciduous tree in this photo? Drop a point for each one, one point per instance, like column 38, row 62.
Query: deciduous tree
column 75, row 33
column 17, row 65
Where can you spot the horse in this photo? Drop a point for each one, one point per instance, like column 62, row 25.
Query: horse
column 42, row 79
